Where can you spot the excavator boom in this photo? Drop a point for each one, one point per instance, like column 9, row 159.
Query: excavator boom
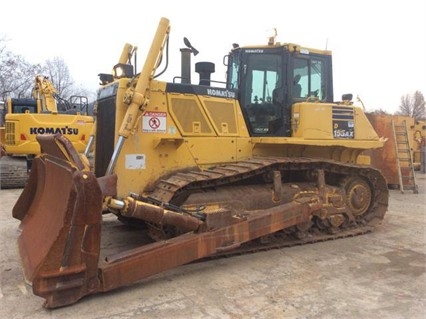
column 44, row 92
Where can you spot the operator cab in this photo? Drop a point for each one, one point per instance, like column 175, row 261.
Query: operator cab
column 21, row 105
column 271, row 79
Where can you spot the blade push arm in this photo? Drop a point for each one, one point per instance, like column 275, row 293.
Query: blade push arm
column 138, row 97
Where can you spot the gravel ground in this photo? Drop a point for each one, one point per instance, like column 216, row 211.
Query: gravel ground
column 377, row 275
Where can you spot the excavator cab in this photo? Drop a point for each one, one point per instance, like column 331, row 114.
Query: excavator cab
column 17, row 106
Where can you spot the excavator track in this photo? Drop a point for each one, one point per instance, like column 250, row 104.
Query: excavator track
column 170, row 189
column 13, row 172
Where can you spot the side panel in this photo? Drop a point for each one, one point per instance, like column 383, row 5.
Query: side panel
column 180, row 130
column 318, row 121
column 323, row 130
column 22, row 129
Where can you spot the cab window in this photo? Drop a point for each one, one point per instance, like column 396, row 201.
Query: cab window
column 263, row 76
column 309, row 78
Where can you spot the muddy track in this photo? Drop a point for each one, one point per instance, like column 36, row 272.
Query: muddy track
column 13, row 172
column 337, row 174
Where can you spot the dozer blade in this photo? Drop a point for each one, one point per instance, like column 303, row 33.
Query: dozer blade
column 60, row 211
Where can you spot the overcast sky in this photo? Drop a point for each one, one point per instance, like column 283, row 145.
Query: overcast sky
column 379, row 48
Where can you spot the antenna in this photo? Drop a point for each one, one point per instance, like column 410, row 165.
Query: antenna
column 362, row 103
column 326, row 43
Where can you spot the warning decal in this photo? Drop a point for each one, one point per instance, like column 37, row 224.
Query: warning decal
column 154, row 122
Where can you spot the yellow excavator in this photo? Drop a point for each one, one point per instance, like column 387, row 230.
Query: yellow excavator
column 44, row 113
column 203, row 170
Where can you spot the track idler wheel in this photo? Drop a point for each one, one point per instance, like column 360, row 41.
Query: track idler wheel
column 358, row 195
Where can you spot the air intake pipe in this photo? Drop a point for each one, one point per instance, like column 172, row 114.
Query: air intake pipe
column 204, row 69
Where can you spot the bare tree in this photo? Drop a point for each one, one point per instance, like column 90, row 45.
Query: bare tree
column 413, row 106
column 16, row 74
column 419, row 106
column 381, row 112
column 58, row 73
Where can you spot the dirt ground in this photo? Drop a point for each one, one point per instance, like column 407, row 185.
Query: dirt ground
column 376, row 275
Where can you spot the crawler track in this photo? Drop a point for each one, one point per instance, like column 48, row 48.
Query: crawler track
column 178, row 186
column 13, row 172
column 285, row 240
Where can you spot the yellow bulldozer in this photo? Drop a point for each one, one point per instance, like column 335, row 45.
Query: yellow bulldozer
column 203, row 170
column 45, row 113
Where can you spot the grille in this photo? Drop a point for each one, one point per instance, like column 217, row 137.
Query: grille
column 10, row 134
